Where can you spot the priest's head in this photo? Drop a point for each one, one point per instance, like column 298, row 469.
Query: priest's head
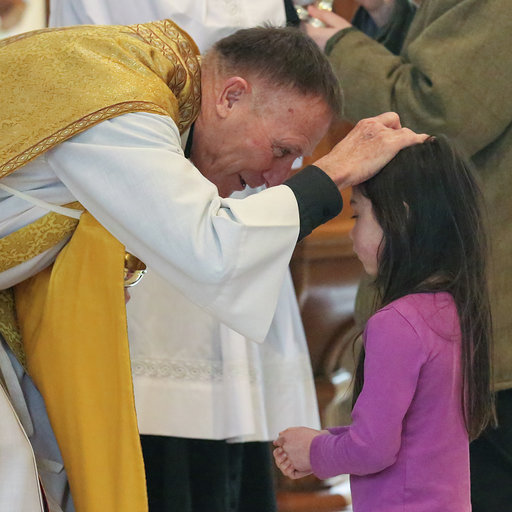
column 268, row 97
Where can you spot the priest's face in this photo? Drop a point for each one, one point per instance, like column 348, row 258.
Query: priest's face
column 262, row 135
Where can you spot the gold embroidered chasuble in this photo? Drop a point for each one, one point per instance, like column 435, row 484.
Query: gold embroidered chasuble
column 56, row 83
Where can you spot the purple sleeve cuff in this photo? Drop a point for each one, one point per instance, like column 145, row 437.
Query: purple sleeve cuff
column 338, row 430
column 317, row 457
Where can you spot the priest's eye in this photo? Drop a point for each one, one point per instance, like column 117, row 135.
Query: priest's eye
column 281, row 152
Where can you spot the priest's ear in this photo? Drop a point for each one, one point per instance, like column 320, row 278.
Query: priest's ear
column 235, row 90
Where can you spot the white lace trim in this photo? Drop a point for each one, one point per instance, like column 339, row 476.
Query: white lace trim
column 204, row 371
column 217, row 371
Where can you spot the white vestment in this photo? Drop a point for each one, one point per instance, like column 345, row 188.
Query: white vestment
column 194, row 376
column 20, row 437
column 206, row 21
column 19, row 482
column 229, row 256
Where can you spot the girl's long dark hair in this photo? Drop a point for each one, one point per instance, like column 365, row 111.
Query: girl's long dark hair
column 429, row 207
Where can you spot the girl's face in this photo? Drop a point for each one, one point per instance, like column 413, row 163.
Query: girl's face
column 366, row 234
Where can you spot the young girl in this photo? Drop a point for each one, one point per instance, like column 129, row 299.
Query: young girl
column 422, row 386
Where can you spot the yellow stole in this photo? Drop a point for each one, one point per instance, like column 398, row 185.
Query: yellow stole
column 56, row 83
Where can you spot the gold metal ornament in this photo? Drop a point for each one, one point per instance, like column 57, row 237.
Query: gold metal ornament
column 134, row 270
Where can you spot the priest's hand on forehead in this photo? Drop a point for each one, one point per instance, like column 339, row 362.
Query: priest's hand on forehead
column 367, row 149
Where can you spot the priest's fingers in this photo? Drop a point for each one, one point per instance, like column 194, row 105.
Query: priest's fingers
column 368, row 147
column 389, row 119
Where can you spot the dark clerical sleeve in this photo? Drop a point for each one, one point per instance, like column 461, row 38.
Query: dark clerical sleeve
column 318, row 198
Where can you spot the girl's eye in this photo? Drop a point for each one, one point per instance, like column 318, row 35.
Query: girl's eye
column 354, row 216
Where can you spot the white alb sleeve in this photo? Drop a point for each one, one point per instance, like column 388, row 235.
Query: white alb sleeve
column 227, row 255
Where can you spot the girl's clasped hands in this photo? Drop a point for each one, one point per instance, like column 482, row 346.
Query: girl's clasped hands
column 292, row 451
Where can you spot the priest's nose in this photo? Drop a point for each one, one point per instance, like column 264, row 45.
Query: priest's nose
column 279, row 172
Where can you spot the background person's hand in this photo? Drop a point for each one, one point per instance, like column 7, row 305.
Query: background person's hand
column 366, row 149
column 333, row 24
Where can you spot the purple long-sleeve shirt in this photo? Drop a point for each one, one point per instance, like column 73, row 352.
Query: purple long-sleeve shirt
column 407, row 449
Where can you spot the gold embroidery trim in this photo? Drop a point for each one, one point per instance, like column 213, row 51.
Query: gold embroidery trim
column 77, row 127
column 23, row 245
column 23, row 35
column 9, row 328
column 187, row 89
column 35, row 238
